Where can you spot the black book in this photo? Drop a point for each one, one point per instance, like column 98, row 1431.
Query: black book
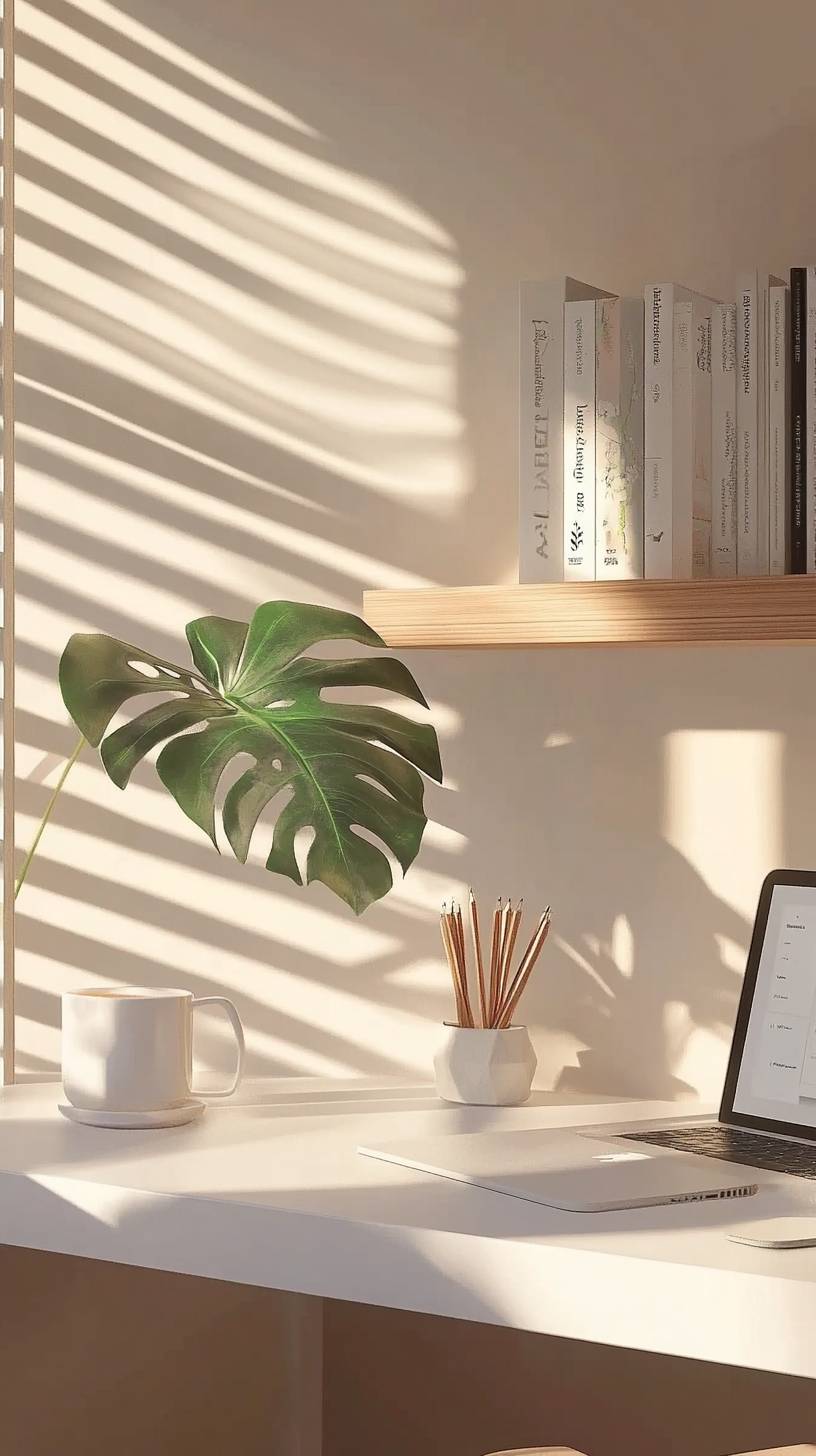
column 798, row 422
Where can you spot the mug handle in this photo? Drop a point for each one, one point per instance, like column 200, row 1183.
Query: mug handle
column 238, row 1029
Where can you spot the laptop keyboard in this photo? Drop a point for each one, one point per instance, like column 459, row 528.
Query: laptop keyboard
column 734, row 1146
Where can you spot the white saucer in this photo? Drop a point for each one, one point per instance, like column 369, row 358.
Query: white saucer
column 163, row 1117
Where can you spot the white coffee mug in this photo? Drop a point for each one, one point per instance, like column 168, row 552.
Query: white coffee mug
column 131, row 1049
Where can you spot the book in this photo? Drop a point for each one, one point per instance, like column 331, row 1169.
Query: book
column 810, row 422
column 798, row 427
column 619, row 438
column 541, row 424
column 701, row 491
column 752, row 423
column 674, row 419
column 778, row 414
column 676, row 431
column 724, row 440
column 659, row 301
column 579, row 440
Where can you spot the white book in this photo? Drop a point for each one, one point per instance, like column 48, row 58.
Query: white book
column 724, row 440
column 810, row 423
column 671, row 398
column 778, row 407
column 579, row 441
column 619, row 438
column 659, row 300
column 701, row 492
column 541, row 424
column 753, row 557
column 682, row 470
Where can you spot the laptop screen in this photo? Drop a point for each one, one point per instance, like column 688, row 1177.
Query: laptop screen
column 772, row 1074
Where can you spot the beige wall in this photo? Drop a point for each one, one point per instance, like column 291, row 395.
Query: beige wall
column 267, row 268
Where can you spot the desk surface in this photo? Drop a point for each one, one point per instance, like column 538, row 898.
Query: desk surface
column 268, row 1189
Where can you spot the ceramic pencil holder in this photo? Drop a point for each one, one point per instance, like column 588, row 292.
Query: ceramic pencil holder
column 485, row 1066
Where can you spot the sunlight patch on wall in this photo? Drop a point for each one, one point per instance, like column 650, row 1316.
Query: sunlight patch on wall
column 435, row 486
column 622, row 946
column 722, row 810
column 100, row 584
column 38, row 1045
column 702, row 1065
column 722, row 807
column 430, row 975
column 288, row 161
column 266, row 262
column 107, row 521
column 164, row 334
column 124, row 947
column 276, row 922
column 161, row 272
column 219, row 80
column 224, row 185
column 442, row 836
column 60, row 403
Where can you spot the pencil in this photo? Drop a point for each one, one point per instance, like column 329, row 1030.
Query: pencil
column 459, row 932
column 524, row 971
column 477, row 951
column 509, row 947
column 451, row 959
column 494, row 962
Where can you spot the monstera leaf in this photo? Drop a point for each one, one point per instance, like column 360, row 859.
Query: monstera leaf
column 337, row 767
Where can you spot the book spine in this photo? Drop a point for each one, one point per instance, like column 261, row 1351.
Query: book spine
column 763, row 495
column 657, row 402
column 619, row 439
column 682, row 441
column 749, row 562
column 724, row 440
column 798, row 428
column 810, row 419
column 778, row 400
column 701, row 494
column 579, row 441
column 541, row 353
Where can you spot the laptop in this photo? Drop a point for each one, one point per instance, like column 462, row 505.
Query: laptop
column 767, row 1117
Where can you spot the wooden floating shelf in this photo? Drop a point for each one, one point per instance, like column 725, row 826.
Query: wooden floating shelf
column 598, row 613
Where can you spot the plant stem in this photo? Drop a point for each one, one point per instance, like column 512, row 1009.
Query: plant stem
column 21, row 878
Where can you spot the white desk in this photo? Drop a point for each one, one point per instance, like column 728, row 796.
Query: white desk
column 269, row 1190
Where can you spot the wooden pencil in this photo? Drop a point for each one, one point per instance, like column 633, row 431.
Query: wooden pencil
column 509, row 946
column 494, row 963
column 519, row 910
column 477, row 953
column 524, row 972
column 456, row 938
column 512, row 986
column 505, row 941
column 459, row 931
column 452, row 965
